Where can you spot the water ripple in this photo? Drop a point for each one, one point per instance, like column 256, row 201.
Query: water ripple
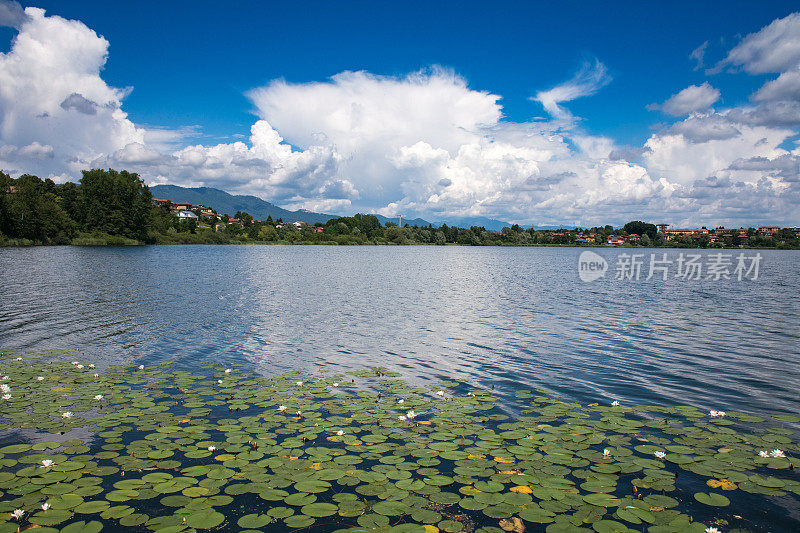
column 502, row 317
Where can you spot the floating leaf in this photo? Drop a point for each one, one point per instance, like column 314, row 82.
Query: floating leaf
column 712, row 498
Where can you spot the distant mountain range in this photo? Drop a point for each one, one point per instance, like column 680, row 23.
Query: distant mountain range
column 259, row 209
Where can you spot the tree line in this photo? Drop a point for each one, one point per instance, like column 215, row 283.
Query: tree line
column 104, row 202
column 116, row 207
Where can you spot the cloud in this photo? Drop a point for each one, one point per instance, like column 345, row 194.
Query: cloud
column 698, row 55
column 79, row 103
column 771, row 114
column 693, row 99
column 702, row 128
column 682, row 159
column 423, row 144
column 786, row 166
column 11, row 14
column 774, row 48
column 31, row 151
column 785, row 87
column 588, row 80
column 51, row 93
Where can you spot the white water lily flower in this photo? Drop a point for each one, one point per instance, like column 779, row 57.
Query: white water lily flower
column 74, row 363
column 228, row 370
column 97, row 375
column 79, row 366
column 6, row 378
column 763, row 453
column 5, row 388
column 281, row 408
column 439, row 393
column 212, row 448
column 776, row 453
column 46, row 463
column 141, row 367
column 298, row 413
column 45, row 506
column 18, row 514
column 615, row 403
column 340, row 432
column 336, row 384
column 401, row 401
column 6, row 396
column 470, row 394
column 411, row 414
column 40, row 378
column 716, row 414
column 299, row 383
column 219, row 381
column 659, row 455
column 712, row 530
column 401, row 417
column 98, row 397
column 606, row 453
column 91, row 366
column 19, row 358
column 67, row 414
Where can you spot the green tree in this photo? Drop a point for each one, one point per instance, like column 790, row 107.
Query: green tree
column 245, row 217
column 5, row 214
column 117, row 203
column 641, row 228
column 34, row 212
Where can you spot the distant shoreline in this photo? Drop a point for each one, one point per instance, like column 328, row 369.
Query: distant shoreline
column 131, row 243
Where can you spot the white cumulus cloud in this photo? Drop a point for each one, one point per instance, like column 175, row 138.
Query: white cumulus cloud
column 424, row 144
column 692, row 99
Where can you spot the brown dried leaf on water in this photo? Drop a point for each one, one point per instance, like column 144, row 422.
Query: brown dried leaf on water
column 514, row 524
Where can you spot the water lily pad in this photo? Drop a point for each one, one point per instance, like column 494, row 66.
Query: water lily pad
column 601, row 500
column 205, row 519
column 319, row 509
column 51, row 517
column 312, row 485
column 390, row 508
column 254, row 521
column 82, row 527
column 712, row 498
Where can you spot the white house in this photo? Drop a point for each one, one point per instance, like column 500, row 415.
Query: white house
column 187, row 214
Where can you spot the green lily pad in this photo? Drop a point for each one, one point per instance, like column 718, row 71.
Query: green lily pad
column 205, row 519
column 254, row 521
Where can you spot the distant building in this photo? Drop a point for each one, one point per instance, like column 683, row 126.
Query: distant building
column 187, row 215
column 673, row 234
column 769, row 231
column 160, row 202
column 662, row 228
column 616, row 240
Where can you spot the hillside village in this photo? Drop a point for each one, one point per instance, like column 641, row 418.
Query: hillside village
column 198, row 212
column 702, row 237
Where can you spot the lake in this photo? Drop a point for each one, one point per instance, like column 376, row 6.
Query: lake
column 507, row 318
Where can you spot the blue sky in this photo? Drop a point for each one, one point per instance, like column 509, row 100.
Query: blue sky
column 191, row 62
column 192, row 67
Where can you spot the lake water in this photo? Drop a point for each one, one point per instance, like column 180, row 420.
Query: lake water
column 505, row 317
